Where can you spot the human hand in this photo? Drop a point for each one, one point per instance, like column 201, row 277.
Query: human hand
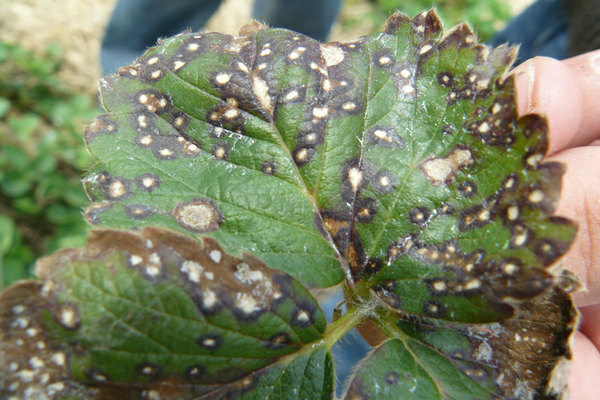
column 568, row 94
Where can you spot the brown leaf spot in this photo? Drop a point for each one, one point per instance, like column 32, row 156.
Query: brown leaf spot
column 199, row 215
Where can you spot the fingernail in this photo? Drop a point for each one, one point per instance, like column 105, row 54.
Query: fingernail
column 525, row 80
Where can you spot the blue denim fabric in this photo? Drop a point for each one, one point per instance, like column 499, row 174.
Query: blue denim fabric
column 135, row 25
column 540, row 30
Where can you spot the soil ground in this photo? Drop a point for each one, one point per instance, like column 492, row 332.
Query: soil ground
column 77, row 26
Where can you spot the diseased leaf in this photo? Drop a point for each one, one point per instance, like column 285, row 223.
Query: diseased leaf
column 396, row 161
column 524, row 357
column 384, row 152
column 160, row 312
column 305, row 376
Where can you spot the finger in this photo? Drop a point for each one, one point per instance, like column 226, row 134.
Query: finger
column 585, row 368
column 548, row 87
column 586, row 68
column 580, row 201
column 590, row 323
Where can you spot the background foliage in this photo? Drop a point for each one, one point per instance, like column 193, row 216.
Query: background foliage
column 41, row 160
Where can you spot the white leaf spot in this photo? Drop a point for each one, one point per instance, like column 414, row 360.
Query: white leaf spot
column 223, row 78
column 192, row 270
column 215, row 255
column 333, row 54
column 440, row 170
column 261, row 91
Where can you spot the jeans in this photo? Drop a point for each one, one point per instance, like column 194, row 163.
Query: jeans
column 135, row 25
column 540, row 30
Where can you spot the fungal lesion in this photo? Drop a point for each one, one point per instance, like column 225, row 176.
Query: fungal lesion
column 442, row 170
column 33, row 365
column 199, row 215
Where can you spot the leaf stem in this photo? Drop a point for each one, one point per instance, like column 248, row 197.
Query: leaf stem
column 334, row 332
column 386, row 320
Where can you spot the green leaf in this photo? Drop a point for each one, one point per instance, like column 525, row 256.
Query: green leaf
column 165, row 313
column 523, row 357
column 396, row 161
column 4, row 106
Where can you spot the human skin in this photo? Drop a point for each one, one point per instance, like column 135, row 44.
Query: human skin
column 568, row 94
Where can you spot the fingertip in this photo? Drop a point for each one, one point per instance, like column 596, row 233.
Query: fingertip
column 586, row 68
column 583, row 379
column 547, row 87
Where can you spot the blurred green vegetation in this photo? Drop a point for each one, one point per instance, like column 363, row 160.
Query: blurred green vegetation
column 42, row 159
column 485, row 16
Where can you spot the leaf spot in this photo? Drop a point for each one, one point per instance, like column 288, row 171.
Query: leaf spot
column 467, row 188
column 433, row 309
column 209, row 299
column 278, row 341
column 199, row 216
column 21, row 322
column 150, row 395
column 156, row 74
column 297, row 53
column 148, row 369
column 148, row 182
column 36, row 363
column 261, row 91
column 419, row 215
column 536, row 196
column 17, row 310
column 385, row 60
column 512, row 212
column 291, row 95
column 97, row 376
column 408, row 89
column 222, row 78
column 269, row 168
column 355, row 177
column 439, row 286
column 68, row 317
column 510, row 268
column 192, row 270
column 320, row 112
column 442, row 170
column 220, row 150
column 231, row 113
column 302, row 317
column 425, row 49
column 215, row 255
column 146, row 140
column 26, row 375
column 392, row 378
column 210, row 341
column 242, row 67
column 59, row 358
column 333, row 54
column 116, row 189
column 177, row 65
column 349, row 106
column 520, row 236
column 192, row 47
column 194, row 372
column 246, row 303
